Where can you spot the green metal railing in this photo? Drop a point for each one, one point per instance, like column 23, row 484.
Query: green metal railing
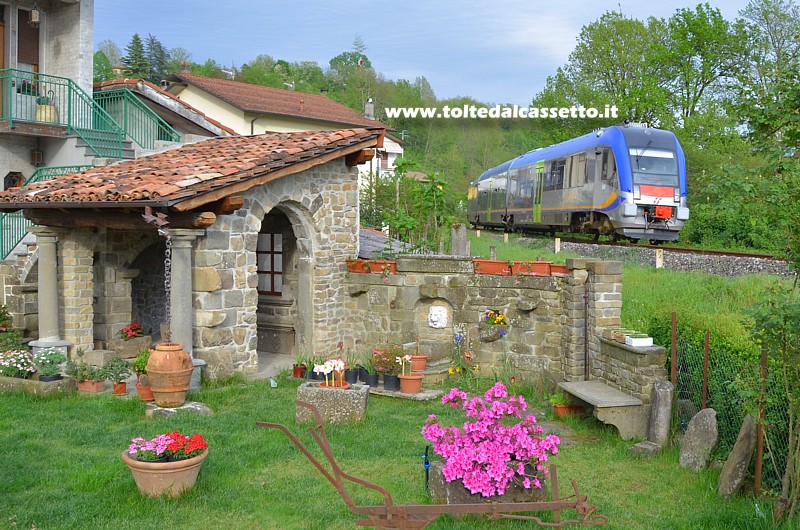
column 13, row 226
column 41, row 98
column 139, row 122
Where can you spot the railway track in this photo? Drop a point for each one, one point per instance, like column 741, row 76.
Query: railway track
column 667, row 248
column 680, row 259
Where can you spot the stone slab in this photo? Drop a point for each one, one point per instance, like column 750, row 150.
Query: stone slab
column 65, row 385
column 645, row 448
column 424, row 395
column 153, row 410
column 599, row 394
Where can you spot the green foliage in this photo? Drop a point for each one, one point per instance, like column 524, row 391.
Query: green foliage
column 11, row 340
column 116, row 369
column 102, row 68
column 139, row 365
column 48, row 359
column 80, row 370
column 135, row 61
column 157, row 58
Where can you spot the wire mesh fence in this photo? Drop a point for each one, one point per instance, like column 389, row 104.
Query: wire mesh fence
column 719, row 381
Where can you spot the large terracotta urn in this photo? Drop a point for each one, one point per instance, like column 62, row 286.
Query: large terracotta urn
column 169, row 370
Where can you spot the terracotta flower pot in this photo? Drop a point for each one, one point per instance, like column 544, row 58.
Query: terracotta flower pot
column 165, row 478
column 298, row 371
column 120, row 388
column 410, row 383
column 170, row 371
column 563, row 411
column 144, row 392
column 91, row 386
column 418, row 362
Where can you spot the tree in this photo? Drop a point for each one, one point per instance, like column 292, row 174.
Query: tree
column 135, row 61
column 102, row 68
column 111, row 51
column 178, row 58
column 210, row 68
column 767, row 82
column 158, row 59
column 701, row 51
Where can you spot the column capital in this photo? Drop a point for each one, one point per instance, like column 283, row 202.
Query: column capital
column 44, row 232
column 184, row 237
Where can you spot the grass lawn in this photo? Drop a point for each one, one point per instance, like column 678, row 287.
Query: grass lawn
column 60, row 467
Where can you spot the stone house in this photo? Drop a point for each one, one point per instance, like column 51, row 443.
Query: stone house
column 257, row 229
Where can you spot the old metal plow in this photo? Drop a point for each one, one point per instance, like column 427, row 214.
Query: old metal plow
column 410, row 516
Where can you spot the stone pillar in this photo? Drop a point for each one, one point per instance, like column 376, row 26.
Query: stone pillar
column 180, row 294
column 49, row 336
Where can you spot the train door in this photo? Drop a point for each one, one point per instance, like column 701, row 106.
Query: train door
column 536, row 192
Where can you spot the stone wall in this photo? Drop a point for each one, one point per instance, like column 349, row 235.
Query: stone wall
column 322, row 206
column 631, row 370
column 547, row 333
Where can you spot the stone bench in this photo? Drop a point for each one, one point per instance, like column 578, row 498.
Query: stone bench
column 611, row 406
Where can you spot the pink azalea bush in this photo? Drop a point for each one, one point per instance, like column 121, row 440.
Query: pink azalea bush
column 495, row 444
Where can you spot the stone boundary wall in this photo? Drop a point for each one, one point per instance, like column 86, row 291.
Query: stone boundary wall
column 631, row 370
column 547, row 338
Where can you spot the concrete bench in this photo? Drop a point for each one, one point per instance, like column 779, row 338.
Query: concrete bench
column 611, row 406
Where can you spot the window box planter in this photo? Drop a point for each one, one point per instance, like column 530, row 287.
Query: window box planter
column 531, row 268
column 379, row 266
column 491, row 266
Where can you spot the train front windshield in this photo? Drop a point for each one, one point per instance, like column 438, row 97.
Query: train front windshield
column 657, row 167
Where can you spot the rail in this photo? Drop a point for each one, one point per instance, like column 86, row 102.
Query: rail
column 48, row 99
column 13, row 226
column 139, row 122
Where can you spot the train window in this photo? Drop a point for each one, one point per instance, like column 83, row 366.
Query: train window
column 609, row 166
column 654, row 166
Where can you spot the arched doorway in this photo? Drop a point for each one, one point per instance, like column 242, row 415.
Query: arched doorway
column 278, row 275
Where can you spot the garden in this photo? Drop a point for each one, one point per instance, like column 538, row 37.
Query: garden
column 62, row 465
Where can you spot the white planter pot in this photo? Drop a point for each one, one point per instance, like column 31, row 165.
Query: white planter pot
column 638, row 342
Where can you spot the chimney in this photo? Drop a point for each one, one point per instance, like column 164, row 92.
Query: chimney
column 302, row 105
column 369, row 110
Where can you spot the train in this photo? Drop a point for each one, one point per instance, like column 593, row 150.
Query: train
column 627, row 182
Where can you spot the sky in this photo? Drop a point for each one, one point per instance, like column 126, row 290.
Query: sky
column 499, row 51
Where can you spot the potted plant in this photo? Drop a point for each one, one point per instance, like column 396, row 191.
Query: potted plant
column 418, row 360
column 48, row 360
column 117, row 370
column 5, row 318
column 496, row 447
column 129, row 341
column 17, row 363
column 299, row 366
column 410, row 383
column 385, row 363
column 351, row 368
column 88, row 377
column 493, row 326
column 167, row 464
column 370, row 374
column 139, row 367
column 333, row 372
column 563, row 406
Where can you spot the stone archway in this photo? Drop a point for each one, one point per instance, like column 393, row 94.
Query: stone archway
column 283, row 262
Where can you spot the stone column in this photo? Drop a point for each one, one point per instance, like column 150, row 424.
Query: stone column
column 49, row 336
column 180, row 294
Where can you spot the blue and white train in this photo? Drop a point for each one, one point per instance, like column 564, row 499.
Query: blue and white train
column 626, row 181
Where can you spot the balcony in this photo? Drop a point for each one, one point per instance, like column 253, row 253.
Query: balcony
column 46, row 105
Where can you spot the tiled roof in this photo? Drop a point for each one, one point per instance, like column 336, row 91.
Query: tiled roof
column 267, row 100
column 193, row 171
column 135, row 85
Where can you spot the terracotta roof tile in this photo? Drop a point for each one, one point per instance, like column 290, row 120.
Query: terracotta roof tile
column 185, row 172
column 267, row 100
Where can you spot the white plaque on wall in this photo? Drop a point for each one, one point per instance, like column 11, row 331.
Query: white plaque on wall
column 437, row 317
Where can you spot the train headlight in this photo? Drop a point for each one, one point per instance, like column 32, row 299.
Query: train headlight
column 677, row 195
column 637, row 194
column 629, row 210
